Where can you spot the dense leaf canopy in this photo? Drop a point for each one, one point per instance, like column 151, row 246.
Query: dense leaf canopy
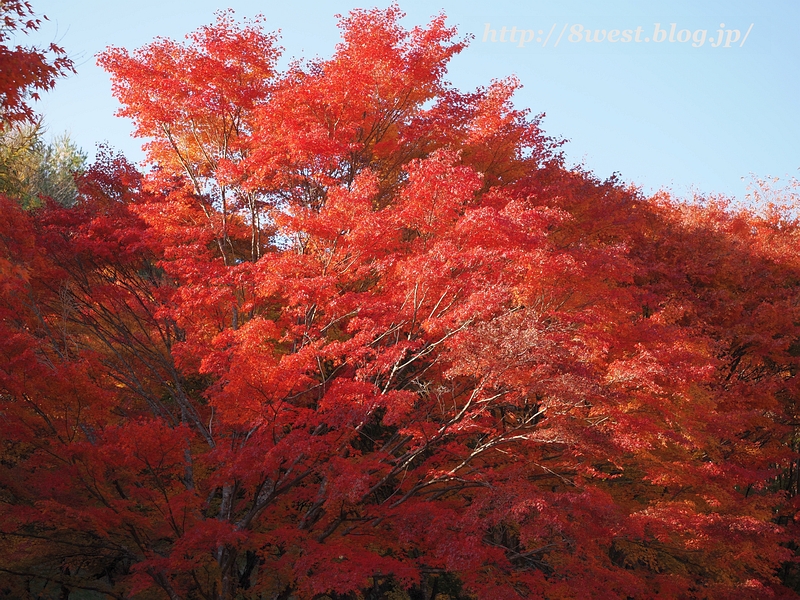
column 359, row 334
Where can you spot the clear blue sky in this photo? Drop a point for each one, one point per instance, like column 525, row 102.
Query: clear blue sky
column 672, row 114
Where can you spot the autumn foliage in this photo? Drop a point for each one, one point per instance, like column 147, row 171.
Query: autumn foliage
column 25, row 71
column 359, row 334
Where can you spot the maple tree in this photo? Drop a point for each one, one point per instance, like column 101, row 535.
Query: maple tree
column 28, row 166
column 24, row 71
column 198, row 111
column 360, row 334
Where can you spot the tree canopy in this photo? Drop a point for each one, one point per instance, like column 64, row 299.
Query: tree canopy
column 25, row 71
column 359, row 334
